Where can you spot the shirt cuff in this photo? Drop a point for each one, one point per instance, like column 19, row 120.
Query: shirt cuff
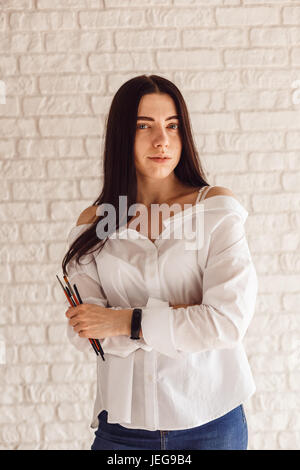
column 156, row 327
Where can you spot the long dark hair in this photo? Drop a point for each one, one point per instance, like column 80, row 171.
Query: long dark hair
column 119, row 168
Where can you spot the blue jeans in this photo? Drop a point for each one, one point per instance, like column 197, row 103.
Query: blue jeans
column 229, row 432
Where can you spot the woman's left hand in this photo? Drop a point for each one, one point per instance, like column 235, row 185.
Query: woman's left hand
column 93, row 321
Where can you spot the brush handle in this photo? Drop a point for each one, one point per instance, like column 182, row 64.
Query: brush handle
column 97, row 342
column 72, row 303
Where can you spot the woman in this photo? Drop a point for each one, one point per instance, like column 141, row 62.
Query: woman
column 175, row 374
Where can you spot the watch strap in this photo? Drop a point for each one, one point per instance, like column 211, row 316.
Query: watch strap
column 136, row 321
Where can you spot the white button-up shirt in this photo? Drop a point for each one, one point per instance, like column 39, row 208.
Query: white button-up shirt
column 191, row 366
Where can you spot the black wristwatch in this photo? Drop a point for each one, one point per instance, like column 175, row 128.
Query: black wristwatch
column 136, row 321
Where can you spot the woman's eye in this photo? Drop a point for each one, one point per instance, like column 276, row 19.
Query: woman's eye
column 174, row 124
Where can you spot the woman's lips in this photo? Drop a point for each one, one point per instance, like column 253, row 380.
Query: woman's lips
column 160, row 159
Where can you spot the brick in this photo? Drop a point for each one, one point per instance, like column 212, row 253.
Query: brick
column 71, row 126
column 73, row 4
column 41, row 231
column 11, row 395
column 295, row 56
column 281, row 283
column 17, row 5
column 267, row 79
column 226, row 162
column 59, row 105
column 88, row 188
column 268, row 302
column 43, row 63
column 77, row 41
column 7, row 149
column 4, row 191
column 20, row 42
column 19, row 127
column 71, row 84
column 217, row 37
column 291, row 15
column 274, row 161
column 271, row 325
column 10, row 108
column 64, row 431
column 20, row 86
column 270, row 223
column 289, row 440
column 137, row 3
column 294, row 160
column 253, row 100
column 69, row 373
column 42, row 21
column 290, row 181
column 33, row 334
column 240, row 141
column 21, row 169
column 5, row 277
column 290, row 341
column 266, row 263
column 290, row 242
column 245, row 16
column 59, row 168
column 37, row 190
column 120, row 18
column 123, row 61
column 8, row 67
column 264, row 441
column 68, row 210
column 20, row 374
column 203, row 58
column 42, row 148
column 215, row 121
column 276, row 36
column 277, row 421
column 2, row 21
column 208, row 80
column 22, row 212
column 248, row 182
column 70, row 412
column 35, row 292
column 53, row 393
column 269, row 120
column 270, row 343
column 293, row 140
column 44, row 313
column 255, row 57
column 271, row 382
column 9, row 231
column 7, row 315
column 9, row 434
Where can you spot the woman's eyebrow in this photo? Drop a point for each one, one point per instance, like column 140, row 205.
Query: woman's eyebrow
column 147, row 118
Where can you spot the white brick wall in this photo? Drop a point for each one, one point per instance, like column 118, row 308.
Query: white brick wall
column 62, row 62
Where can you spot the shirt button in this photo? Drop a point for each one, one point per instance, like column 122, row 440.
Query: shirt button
column 150, row 378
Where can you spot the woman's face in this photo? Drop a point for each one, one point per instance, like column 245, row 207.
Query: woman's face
column 157, row 134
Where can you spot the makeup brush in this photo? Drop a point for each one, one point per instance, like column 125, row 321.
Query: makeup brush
column 73, row 303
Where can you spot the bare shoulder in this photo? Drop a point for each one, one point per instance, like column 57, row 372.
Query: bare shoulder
column 219, row 191
column 87, row 216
